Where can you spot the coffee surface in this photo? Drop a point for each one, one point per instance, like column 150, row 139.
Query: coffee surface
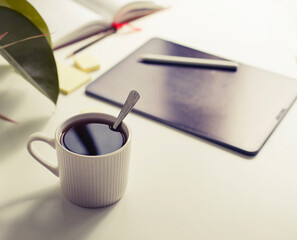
column 92, row 138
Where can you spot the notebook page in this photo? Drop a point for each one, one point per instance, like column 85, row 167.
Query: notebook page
column 66, row 19
column 110, row 8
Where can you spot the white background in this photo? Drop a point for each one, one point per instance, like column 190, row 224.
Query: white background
column 180, row 187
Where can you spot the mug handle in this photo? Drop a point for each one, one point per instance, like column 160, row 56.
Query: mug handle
column 37, row 155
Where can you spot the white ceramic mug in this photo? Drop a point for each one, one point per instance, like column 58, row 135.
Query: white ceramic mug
column 87, row 181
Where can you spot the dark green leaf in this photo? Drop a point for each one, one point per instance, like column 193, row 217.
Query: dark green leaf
column 27, row 10
column 33, row 58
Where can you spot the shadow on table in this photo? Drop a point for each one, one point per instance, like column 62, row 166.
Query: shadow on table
column 31, row 111
column 16, row 135
column 49, row 216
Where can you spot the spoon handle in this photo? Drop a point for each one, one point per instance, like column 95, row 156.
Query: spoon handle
column 128, row 105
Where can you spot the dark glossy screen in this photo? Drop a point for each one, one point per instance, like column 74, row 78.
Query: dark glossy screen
column 238, row 110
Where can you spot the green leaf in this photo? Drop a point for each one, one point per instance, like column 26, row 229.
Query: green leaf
column 33, row 58
column 27, row 10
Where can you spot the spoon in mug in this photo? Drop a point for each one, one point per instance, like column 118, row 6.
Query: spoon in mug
column 128, row 105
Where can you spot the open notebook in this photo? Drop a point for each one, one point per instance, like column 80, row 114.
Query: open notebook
column 238, row 110
column 74, row 20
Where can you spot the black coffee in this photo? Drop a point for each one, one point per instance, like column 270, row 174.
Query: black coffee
column 92, row 138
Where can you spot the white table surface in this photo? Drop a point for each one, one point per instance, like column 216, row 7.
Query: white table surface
column 180, row 187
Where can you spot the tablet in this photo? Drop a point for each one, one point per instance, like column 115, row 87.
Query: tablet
column 235, row 109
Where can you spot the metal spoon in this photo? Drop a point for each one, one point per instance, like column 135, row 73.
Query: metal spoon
column 128, row 105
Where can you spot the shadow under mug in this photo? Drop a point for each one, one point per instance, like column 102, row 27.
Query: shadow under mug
column 87, row 181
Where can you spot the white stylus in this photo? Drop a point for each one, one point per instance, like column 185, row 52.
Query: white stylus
column 189, row 61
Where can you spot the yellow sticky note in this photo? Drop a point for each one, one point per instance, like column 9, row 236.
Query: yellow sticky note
column 86, row 63
column 71, row 78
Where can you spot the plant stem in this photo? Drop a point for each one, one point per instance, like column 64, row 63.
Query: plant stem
column 22, row 40
column 7, row 119
column 3, row 35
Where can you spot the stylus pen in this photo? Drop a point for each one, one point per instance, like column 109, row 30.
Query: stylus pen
column 188, row 61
